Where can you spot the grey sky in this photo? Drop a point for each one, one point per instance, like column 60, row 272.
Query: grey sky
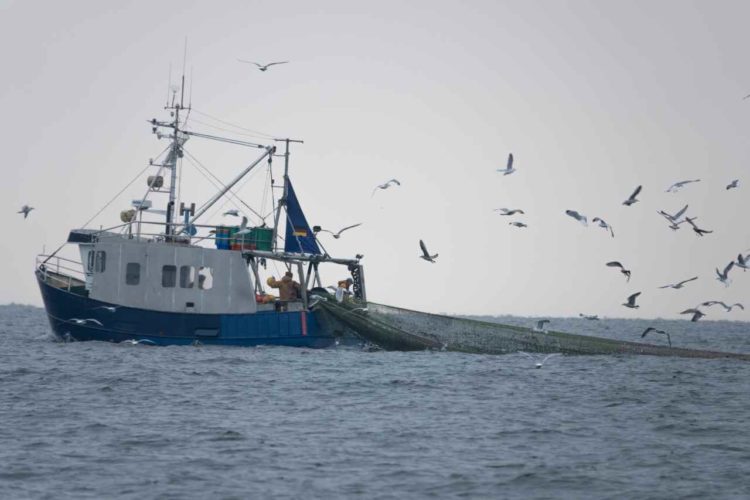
column 593, row 98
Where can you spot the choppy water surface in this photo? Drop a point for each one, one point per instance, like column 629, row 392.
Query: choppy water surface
column 97, row 420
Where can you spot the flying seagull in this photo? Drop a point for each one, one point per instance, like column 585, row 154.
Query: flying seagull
column 697, row 314
column 517, row 224
column 743, row 262
column 678, row 185
column 632, row 198
column 624, row 271
column 592, row 317
column 724, row 276
column 233, row 212
column 540, row 325
column 243, row 227
column 425, row 254
column 85, row 321
column 722, row 304
column 631, row 301
column 539, row 364
column 679, row 285
column 662, row 332
column 733, row 184
column 509, row 167
column 696, row 229
column 262, row 67
column 602, row 224
column 675, row 217
column 385, row 185
column 580, row 218
column 510, row 211
column 25, row 210
column 338, row 234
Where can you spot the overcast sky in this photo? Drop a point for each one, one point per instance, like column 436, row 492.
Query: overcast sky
column 593, row 98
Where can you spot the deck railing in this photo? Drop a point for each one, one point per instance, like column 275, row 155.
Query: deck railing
column 60, row 271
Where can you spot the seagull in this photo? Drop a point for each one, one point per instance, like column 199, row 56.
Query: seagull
column 509, row 168
column 108, row 308
column 652, row 329
column 138, row 342
column 676, row 217
column 580, row 218
column 632, row 199
column 233, row 212
column 539, row 364
column 604, row 225
column 243, row 227
column 724, row 277
column 624, row 271
column 592, row 317
column 631, row 301
column 338, row 235
column 262, row 67
column 697, row 314
column 425, row 254
column 698, row 231
column 728, row 308
column 385, row 186
column 510, row 211
column 517, row 224
column 85, row 321
column 678, row 185
column 540, row 325
column 679, row 285
column 743, row 262
column 25, row 210
column 733, row 184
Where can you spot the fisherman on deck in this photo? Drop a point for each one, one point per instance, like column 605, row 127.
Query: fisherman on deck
column 289, row 290
column 343, row 289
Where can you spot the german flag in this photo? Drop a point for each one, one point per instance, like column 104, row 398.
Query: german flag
column 299, row 232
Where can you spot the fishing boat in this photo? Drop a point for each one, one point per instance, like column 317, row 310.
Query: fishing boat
column 163, row 277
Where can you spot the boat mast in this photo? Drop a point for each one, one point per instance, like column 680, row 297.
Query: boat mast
column 282, row 200
column 178, row 139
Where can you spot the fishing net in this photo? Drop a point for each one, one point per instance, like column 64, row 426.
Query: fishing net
column 394, row 328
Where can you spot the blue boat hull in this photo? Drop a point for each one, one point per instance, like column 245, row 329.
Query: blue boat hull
column 294, row 328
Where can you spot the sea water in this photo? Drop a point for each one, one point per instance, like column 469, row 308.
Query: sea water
column 99, row 420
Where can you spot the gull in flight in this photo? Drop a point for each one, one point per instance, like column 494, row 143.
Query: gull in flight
column 590, row 317
column 262, row 67
column 233, row 212
column 108, row 308
column 540, row 326
column 678, row 185
column 580, row 218
column 674, row 220
column 510, row 211
column 338, row 234
column 385, row 186
column 679, row 285
column 698, row 231
column 724, row 276
column 722, row 304
column 509, row 168
column 743, row 262
column 425, row 254
column 662, row 332
column 697, row 314
column 138, row 342
column 624, row 271
column 733, row 184
column 243, row 227
column 78, row 321
column 632, row 198
column 602, row 224
column 517, row 224
column 631, row 301
column 25, row 210
column 539, row 364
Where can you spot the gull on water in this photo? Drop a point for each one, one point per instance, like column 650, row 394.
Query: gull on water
column 678, row 185
column 425, row 254
column 509, row 166
column 590, row 317
column 602, row 224
column 624, row 271
column 25, row 210
column 632, row 199
column 263, row 67
column 698, row 231
column 733, row 184
column 540, row 325
column 631, row 301
column 539, row 364
column 338, row 234
column 724, row 276
column 662, row 332
column 697, row 313
column 78, row 321
column 722, row 304
column 385, row 185
column 517, row 224
column 233, row 212
column 580, row 218
column 679, row 285
column 510, row 211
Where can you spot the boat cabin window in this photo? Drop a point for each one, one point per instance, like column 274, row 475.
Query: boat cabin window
column 100, row 261
column 187, row 276
column 168, row 276
column 205, row 278
column 132, row 273
column 90, row 261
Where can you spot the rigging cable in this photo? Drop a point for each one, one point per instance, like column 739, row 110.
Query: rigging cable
column 267, row 136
